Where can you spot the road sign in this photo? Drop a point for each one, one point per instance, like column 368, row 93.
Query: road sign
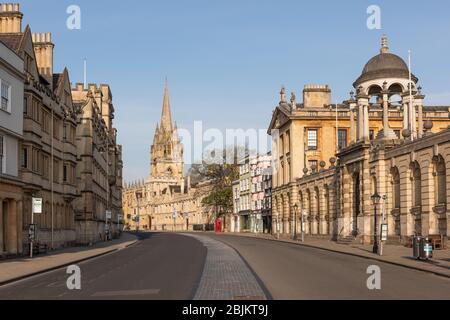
column 174, row 215
column 384, row 232
column 37, row 205
column 108, row 214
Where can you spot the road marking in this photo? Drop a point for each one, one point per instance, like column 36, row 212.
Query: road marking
column 126, row 293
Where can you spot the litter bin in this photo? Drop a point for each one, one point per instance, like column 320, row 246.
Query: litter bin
column 416, row 247
column 426, row 249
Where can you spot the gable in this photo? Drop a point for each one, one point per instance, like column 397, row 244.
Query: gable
column 279, row 119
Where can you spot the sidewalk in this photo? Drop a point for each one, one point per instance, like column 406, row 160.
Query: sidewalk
column 17, row 269
column 397, row 255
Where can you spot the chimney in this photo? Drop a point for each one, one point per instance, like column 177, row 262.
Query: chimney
column 10, row 18
column 43, row 48
column 316, row 96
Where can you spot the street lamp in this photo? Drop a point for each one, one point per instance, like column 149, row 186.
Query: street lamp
column 303, row 223
column 375, row 200
column 278, row 226
column 138, row 198
column 295, row 221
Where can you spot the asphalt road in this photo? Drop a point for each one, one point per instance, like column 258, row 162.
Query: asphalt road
column 160, row 267
column 292, row 272
column 170, row 267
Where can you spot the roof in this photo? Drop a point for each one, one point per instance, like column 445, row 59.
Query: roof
column 12, row 41
column 382, row 66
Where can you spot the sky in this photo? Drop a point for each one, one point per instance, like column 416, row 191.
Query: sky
column 226, row 60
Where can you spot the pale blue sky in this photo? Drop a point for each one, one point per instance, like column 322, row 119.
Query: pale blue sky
column 226, row 60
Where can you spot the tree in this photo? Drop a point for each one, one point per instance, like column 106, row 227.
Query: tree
column 221, row 175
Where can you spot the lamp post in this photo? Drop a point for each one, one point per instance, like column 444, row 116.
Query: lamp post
column 375, row 200
column 303, row 224
column 295, row 221
column 138, row 198
column 278, row 225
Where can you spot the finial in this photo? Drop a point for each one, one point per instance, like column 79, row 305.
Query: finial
column 293, row 100
column 384, row 44
column 283, row 95
column 352, row 95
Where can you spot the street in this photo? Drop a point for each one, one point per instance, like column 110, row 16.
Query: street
column 198, row 266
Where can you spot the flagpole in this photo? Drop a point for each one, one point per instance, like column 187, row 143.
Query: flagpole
column 337, row 130
column 412, row 114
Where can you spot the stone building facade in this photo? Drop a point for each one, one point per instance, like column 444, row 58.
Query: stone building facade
column 11, row 135
column 307, row 137
column 45, row 150
column 51, row 147
column 99, row 169
column 166, row 200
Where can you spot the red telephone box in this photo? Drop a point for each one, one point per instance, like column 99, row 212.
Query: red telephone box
column 218, row 227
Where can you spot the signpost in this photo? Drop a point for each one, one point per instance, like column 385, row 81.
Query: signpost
column 36, row 209
column 174, row 216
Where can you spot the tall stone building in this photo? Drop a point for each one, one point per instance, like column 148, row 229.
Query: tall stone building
column 52, row 135
column 307, row 136
column 408, row 170
column 48, row 151
column 166, row 200
column 11, row 135
column 99, row 169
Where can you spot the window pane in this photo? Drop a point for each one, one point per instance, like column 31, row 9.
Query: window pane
column 312, row 139
column 342, row 139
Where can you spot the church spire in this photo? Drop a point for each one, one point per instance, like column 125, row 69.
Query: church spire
column 166, row 117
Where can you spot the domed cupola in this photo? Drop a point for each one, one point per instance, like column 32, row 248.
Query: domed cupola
column 383, row 66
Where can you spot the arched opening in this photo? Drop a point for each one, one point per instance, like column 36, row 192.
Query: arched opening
column 396, row 202
column 356, row 203
column 318, row 211
column 309, row 213
column 374, row 93
column 327, row 209
column 417, row 197
column 441, row 181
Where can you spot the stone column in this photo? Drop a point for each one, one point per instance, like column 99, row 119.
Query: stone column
column 11, row 235
column 412, row 117
column 360, row 119
column 1, row 226
column 366, row 122
column 19, row 212
column 419, row 100
column 314, row 212
column 405, row 113
column 363, row 121
column 352, row 125
column 430, row 225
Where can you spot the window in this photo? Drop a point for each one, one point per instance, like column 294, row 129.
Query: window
column 5, row 104
column 25, row 105
column 65, row 173
column 312, row 139
column 45, row 167
column 342, row 139
column 24, row 159
column 372, row 135
column 56, row 171
column 2, row 155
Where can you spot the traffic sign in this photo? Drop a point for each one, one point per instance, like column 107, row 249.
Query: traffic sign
column 37, row 205
column 108, row 214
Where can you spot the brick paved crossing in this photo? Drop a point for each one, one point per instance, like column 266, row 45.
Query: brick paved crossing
column 226, row 276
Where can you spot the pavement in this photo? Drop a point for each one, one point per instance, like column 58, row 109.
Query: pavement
column 15, row 269
column 393, row 254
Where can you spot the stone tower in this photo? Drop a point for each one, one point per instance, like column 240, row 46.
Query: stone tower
column 167, row 150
